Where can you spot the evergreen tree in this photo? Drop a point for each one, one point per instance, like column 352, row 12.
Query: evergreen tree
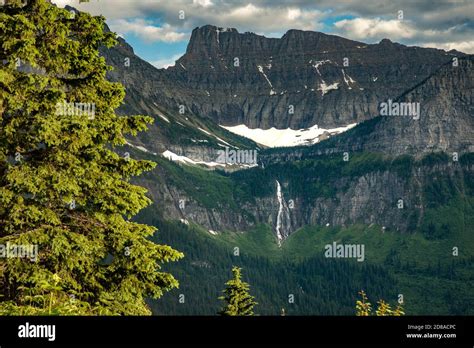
column 63, row 186
column 237, row 297
column 364, row 308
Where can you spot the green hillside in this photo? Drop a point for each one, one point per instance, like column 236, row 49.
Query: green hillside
column 419, row 264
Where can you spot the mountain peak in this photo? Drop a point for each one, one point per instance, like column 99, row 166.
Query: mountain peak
column 385, row 41
column 214, row 28
column 210, row 31
column 293, row 32
column 246, row 78
column 207, row 38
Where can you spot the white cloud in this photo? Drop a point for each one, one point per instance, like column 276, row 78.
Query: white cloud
column 249, row 10
column 203, row 3
column 243, row 15
column 294, row 13
column 268, row 19
column 148, row 32
column 426, row 22
column 164, row 63
column 375, row 28
column 111, row 9
column 464, row 46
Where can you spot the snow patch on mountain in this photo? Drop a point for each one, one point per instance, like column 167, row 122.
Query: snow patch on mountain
column 324, row 88
column 260, row 69
column 318, row 63
column 286, row 137
column 215, row 136
column 183, row 159
column 163, row 117
column 347, row 79
column 141, row 148
column 160, row 114
column 186, row 160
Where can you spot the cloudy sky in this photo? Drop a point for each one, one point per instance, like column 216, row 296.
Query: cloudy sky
column 159, row 34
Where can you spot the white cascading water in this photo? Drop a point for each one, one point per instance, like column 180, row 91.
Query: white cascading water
column 280, row 213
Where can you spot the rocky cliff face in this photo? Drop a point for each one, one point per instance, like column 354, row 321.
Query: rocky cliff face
column 298, row 81
column 305, row 70
column 237, row 78
column 175, row 129
column 445, row 121
column 394, row 199
column 304, row 78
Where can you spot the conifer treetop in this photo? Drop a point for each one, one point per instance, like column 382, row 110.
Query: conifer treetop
column 64, row 184
column 238, row 301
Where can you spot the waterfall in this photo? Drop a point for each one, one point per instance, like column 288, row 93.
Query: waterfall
column 283, row 216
